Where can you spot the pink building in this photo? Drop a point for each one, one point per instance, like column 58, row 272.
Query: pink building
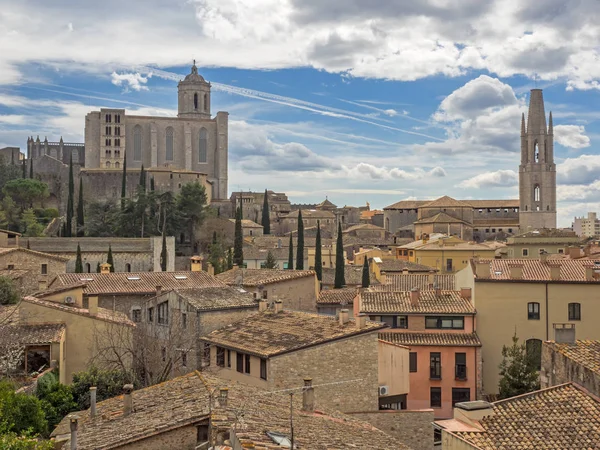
column 445, row 351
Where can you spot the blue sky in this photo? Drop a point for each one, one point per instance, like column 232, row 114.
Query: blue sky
column 357, row 100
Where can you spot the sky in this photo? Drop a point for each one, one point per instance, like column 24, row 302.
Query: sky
column 356, row 100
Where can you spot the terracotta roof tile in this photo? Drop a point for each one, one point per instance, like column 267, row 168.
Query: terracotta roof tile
column 441, row 217
column 398, row 265
column 27, row 334
column 246, row 223
column 343, row 296
column 221, row 298
column 536, row 270
column 6, row 251
column 268, row 334
column 561, row 417
column 446, row 201
column 363, row 226
column 310, row 214
column 431, row 339
column 258, row 277
column 352, row 274
column 584, row 352
column 407, row 204
column 136, row 283
column 58, row 289
column 406, row 282
column 448, row 302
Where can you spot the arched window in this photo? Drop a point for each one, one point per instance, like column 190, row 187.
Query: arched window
column 533, row 311
column 88, row 268
column 117, row 165
column 195, row 101
column 205, row 102
column 536, row 193
column 536, row 152
column 533, row 349
column 127, row 267
column 137, row 143
column 574, row 311
column 169, row 144
column 108, row 164
column 203, row 143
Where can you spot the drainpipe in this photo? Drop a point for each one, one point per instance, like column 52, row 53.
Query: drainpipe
column 547, row 312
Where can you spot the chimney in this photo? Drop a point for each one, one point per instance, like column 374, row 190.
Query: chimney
column 262, row 305
column 589, row 273
column 516, row 271
column 587, row 249
column 574, row 252
column 210, row 269
column 482, row 269
column 543, row 256
column 471, row 413
column 105, row 268
column 223, row 393
column 73, row 422
column 414, row 296
column 93, row 401
column 361, row 321
column 555, row 272
column 438, row 291
column 465, row 293
column 564, row 333
column 158, row 290
column 278, row 306
column 127, row 399
column 344, row 317
column 196, row 263
column 93, row 305
column 405, row 271
column 308, row 396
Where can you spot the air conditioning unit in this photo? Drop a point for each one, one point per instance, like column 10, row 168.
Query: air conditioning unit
column 383, row 390
column 69, row 300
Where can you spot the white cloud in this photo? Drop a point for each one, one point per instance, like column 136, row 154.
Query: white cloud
column 499, row 178
column 384, row 173
column 133, row 81
column 12, row 119
column 571, row 136
column 584, row 169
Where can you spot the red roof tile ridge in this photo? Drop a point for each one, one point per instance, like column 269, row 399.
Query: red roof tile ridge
column 535, row 393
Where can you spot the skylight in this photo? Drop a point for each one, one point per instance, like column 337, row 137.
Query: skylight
column 498, row 272
column 133, row 278
column 86, row 279
column 180, row 277
column 280, row 439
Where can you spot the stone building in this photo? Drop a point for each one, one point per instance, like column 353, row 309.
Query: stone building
column 61, row 151
column 289, row 222
column 533, row 243
column 587, row 227
column 252, row 205
column 250, row 228
column 36, row 269
column 11, row 155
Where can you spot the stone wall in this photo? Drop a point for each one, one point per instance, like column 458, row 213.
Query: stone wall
column 35, row 280
column 299, row 294
column 413, row 428
column 354, row 359
column 558, row 369
column 184, row 438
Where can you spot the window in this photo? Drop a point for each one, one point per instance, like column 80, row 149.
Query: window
column 460, row 395
column 117, row 118
column 107, row 118
column 137, row 143
column 150, row 314
column 117, row 142
column 127, row 267
column 247, row 363
column 184, row 359
column 263, row 368
column 449, row 265
column 239, row 363
column 435, row 397
column 205, row 102
column 533, row 350
column 184, row 320
column 136, row 315
column 195, row 101
column 525, row 252
column 202, row 144
column 435, row 365
column 11, row 267
column 460, row 360
column 536, row 193
column 108, row 164
column 88, row 268
column 536, row 152
column 117, row 131
column 44, row 269
column 221, row 357
column 169, row 144
column 395, row 321
column 574, row 311
column 533, row 311
column 561, row 251
column 264, row 294
column 163, row 313
column 412, row 361
column 206, row 354
column 435, row 322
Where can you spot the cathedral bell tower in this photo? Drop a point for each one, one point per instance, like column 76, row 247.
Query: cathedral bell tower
column 194, row 96
column 537, row 172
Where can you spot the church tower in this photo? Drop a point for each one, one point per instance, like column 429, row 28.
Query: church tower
column 537, row 172
column 194, row 96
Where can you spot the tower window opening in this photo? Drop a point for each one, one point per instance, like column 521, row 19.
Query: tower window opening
column 205, row 102
column 536, row 152
column 536, row 193
column 195, row 101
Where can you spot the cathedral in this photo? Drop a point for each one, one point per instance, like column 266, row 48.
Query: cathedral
column 481, row 220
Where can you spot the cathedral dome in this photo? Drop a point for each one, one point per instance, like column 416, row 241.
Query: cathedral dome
column 194, row 76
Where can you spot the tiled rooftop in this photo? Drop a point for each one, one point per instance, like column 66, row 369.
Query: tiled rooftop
column 476, row 204
column 343, row 296
column 454, row 245
column 536, row 270
column 558, row 418
column 448, row 302
column 352, row 274
column 401, row 282
column 136, row 283
column 268, row 334
column 7, row 251
column 103, row 314
column 446, row 202
column 547, row 233
column 407, row 204
column 258, row 277
column 9, row 315
column 31, row 334
column 583, row 352
column 246, row 223
column 363, row 227
column 220, row 298
column 257, row 253
column 58, row 289
column 441, row 217
column 184, row 400
column 398, row 265
column 410, row 338
column 311, row 214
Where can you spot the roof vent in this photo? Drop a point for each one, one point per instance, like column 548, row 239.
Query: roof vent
column 180, row 277
column 133, row 278
column 497, row 272
column 86, row 279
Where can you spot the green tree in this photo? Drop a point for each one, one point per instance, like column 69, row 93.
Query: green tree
column 229, row 259
column 110, row 260
column 238, row 241
column 300, row 249
column 31, row 226
column 340, row 261
column 80, row 213
column 101, row 219
column 318, row 254
column 124, row 180
column 517, row 370
column 8, row 171
column 163, row 254
column 24, row 168
column 266, row 218
column 31, row 168
column 57, row 399
column 70, row 201
column 78, row 261
column 26, row 192
column 152, row 183
column 143, row 178
column 10, row 215
column 21, row 412
column 9, row 294
column 366, row 280
column 191, row 202
column 216, row 254
column 108, row 383
column 271, row 262
column 291, row 254
column 24, row 441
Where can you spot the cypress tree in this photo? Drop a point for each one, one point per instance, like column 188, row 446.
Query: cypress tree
column 163, row 254
column 124, row 181
column 238, row 243
column 28, row 245
column 229, row 259
column 80, row 215
column 98, row 268
column 24, row 168
column 366, row 281
column 78, row 262
column 31, row 169
column 318, row 256
column 110, row 260
column 70, row 201
column 143, row 178
column 300, row 249
column 152, row 184
column 291, row 254
column 266, row 218
column 340, row 262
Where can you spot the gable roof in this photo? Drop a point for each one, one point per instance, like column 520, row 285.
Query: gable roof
column 310, row 214
column 135, row 283
column 535, row 270
column 344, row 296
column 447, row 302
column 259, row 277
column 326, row 204
column 584, row 352
column 407, row 204
column 561, row 417
column 411, row 339
column 363, row 226
column 446, row 202
column 246, row 223
column 352, row 275
column 7, row 251
column 32, row 334
column 441, row 217
column 398, row 265
column 217, row 298
column 406, row 282
column 270, row 334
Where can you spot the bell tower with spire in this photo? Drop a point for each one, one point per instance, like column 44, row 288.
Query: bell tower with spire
column 194, row 96
column 537, row 172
